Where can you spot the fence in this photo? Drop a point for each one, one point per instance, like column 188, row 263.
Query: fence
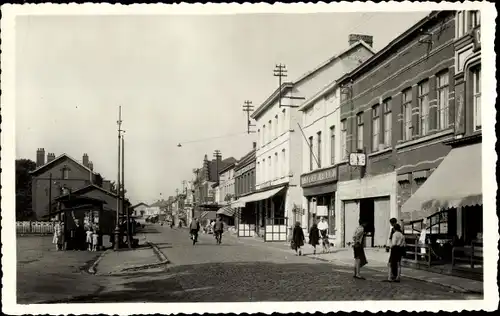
column 23, row 228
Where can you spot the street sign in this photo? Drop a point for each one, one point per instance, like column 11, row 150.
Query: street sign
column 357, row 159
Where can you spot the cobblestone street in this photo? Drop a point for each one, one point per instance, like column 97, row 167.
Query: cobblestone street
column 239, row 271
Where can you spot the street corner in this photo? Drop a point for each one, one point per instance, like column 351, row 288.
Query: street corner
column 92, row 267
column 158, row 252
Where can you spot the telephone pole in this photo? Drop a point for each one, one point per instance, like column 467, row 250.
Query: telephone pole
column 124, row 206
column 117, row 227
column 248, row 107
column 280, row 72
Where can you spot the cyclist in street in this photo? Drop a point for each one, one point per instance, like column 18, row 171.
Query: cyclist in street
column 323, row 230
column 218, row 229
column 194, row 228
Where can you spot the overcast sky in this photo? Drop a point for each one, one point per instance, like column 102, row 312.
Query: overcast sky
column 178, row 79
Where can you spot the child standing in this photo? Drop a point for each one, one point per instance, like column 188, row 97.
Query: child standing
column 89, row 239
column 95, row 240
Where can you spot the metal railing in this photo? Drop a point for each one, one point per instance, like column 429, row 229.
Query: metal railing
column 472, row 254
column 414, row 253
column 27, row 227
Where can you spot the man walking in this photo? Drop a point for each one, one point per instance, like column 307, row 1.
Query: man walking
column 194, row 228
column 218, row 229
column 359, row 252
column 393, row 221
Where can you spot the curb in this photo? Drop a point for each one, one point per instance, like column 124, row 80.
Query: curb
column 158, row 252
column 161, row 256
column 454, row 287
column 92, row 269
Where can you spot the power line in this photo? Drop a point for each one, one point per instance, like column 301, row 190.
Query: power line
column 210, row 138
column 248, row 107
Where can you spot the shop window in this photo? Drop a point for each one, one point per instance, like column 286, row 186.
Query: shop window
column 311, row 153
column 375, row 127
column 332, row 145
column 407, row 98
column 423, row 105
column 360, row 130
column 439, row 223
column 442, row 99
column 343, row 139
column 387, row 122
column 319, row 149
column 476, row 93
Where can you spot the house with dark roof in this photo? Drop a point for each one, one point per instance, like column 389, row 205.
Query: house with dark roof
column 57, row 175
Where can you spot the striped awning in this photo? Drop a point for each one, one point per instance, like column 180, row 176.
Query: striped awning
column 203, row 214
column 226, row 210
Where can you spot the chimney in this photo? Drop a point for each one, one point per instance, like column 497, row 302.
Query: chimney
column 40, row 157
column 354, row 38
column 106, row 185
column 254, row 145
column 91, row 165
column 85, row 160
column 50, row 157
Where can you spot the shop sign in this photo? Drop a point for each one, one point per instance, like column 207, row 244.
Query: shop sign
column 245, row 169
column 318, row 177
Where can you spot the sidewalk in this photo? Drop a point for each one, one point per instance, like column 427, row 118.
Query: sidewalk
column 377, row 260
column 147, row 255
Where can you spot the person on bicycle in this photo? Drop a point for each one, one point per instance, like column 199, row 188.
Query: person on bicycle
column 323, row 230
column 194, row 228
column 218, row 229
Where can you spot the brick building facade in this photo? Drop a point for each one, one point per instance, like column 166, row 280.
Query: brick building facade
column 244, row 173
column 395, row 109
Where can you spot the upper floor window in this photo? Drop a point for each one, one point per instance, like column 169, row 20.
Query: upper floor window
column 276, row 126
column 423, row 105
column 270, row 168
column 442, row 99
column 460, row 24
column 264, row 170
column 387, row 122
column 284, row 124
column 332, row 145
column 343, row 139
column 283, row 163
column 271, row 131
column 311, row 153
column 65, row 173
column 475, row 18
column 476, row 92
column 375, row 127
column 264, row 138
column 319, row 149
column 359, row 134
column 258, row 138
column 276, row 166
column 407, row 98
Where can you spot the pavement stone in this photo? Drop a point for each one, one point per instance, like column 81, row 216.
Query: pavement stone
column 239, row 271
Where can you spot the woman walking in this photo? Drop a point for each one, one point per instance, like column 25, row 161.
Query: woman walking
column 297, row 239
column 314, row 236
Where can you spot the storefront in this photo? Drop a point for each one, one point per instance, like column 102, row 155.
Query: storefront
column 271, row 222
column 372, row 200
column 450, row 203
column 319, row 188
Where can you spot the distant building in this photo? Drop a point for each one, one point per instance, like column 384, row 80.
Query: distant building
column 244, row 173
column 53, row 177
column 139, row 210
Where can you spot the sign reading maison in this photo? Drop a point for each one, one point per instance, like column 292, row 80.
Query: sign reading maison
column 319, row 177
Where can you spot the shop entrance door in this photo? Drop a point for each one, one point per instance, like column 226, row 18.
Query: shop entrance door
column 367, row 215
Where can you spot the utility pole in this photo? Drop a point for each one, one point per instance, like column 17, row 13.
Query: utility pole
column 124, row 206
column 280, row 72
column 117, row 227
column 217, row 155
column 248, row 107
column 50, row 193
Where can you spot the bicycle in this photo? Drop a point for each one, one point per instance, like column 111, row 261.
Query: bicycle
column 194, row 237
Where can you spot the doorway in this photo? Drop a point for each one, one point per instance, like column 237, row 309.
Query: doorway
column 367, row 215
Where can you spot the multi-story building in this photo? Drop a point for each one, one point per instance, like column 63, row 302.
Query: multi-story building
column 57, row 176
column 226, row 194
column 244, row 173
column 395, row 114
column 449, row 194
column 204, row 193
column 279, row 143
column 321, row 151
